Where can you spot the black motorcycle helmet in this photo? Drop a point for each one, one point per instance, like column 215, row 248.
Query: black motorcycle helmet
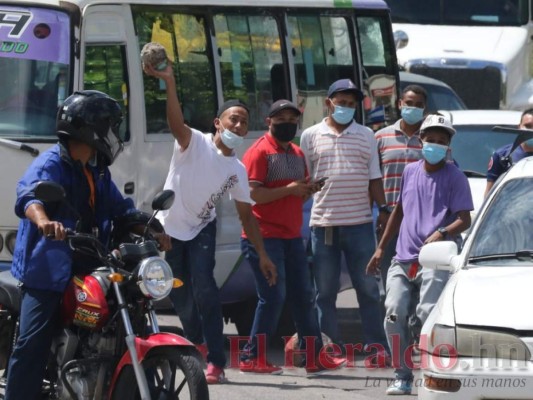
column 94, row 118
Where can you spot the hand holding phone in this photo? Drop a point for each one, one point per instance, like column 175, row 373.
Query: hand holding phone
column 322, row 180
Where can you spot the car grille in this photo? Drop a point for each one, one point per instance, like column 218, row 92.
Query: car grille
column 479, row 88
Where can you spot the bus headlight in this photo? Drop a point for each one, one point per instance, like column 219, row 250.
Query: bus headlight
column 155, row 278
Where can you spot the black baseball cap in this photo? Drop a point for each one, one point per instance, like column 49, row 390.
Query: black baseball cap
column 232, row 103
column 280, row 105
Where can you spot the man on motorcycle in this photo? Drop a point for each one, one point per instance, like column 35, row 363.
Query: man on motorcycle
column 88, row 130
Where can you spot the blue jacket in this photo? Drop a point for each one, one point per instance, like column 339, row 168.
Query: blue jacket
column 42, row 263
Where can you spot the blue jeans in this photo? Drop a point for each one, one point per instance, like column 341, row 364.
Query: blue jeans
column 294, row 283
column 197, row 302
column 38, row 320
column 357, row 243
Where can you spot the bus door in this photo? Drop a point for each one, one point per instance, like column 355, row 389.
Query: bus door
column 106, row 55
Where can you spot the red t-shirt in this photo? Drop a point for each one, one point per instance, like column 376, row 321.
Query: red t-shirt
column 272, row 166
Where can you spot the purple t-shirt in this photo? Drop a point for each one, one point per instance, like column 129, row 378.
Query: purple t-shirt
column 429, row 201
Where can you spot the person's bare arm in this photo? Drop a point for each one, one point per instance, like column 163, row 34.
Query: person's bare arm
column 461, row 224
column 262, row 195
column 176, row 122
column 375, row 187
column 391, row 229
column 251, row 228
column 52, row 229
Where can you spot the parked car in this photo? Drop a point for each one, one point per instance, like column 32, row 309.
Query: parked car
column 475, row 142
column 440, row 95
column 477, row 342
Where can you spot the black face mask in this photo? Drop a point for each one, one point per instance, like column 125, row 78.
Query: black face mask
column 285, row 131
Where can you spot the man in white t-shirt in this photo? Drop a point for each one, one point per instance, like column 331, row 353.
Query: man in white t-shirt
column 203, row 168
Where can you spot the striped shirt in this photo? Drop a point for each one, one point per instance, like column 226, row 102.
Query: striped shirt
column 396, row 150
column 349, row 160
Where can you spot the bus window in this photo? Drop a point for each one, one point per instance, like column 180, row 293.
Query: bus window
column 379, row 70
column 105, row 70
column 184, row 38
column 249, row 47
column 322, row 51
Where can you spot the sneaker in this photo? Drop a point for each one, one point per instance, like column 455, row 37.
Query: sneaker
column 254, row 366
column 399, row 387
column 202, row 349
column 379, row 359
column 215, row 374
column 330, row 364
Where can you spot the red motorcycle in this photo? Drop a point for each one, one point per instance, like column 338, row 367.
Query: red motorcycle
column 108, row 344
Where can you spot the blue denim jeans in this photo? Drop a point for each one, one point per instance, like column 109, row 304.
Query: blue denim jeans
column 38, row 321
column 197, row 302
column 357, row 244
column 294, row 284
column 404, row 297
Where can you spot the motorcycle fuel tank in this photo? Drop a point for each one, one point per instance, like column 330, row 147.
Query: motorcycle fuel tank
column 84, row 303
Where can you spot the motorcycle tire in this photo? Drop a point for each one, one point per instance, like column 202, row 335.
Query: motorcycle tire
column 182, row 367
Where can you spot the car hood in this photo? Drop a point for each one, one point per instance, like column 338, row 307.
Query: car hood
column 496, row 44
column 494, row 296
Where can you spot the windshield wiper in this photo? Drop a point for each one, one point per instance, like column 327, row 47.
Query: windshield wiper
column 521, row 255
column 474, row 174
column 20, row 146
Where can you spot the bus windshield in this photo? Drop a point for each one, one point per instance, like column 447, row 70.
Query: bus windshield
column 460, row 12
column 34, row 71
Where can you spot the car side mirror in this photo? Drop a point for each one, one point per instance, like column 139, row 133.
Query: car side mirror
column 438, row 255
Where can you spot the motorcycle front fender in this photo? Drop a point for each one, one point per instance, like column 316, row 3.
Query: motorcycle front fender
column 143, row 346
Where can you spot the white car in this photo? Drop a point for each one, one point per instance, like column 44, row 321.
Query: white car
column 475, row 142
column 477, row 343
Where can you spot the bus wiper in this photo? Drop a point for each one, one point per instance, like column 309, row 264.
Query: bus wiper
column 20, row 146
column 522, row 255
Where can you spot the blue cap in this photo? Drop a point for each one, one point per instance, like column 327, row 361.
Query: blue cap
column 344, row 85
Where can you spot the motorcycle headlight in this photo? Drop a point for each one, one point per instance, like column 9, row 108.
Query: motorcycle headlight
column 155, row 278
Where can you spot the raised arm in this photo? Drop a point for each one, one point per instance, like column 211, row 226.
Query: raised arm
column 175, row 119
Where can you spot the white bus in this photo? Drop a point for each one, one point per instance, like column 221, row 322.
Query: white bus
column 221, row 49
column 483, row 49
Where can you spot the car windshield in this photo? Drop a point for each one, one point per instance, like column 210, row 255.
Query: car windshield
column 506, row 227
column 442, row 98
column 460, row 12
column 473, row 146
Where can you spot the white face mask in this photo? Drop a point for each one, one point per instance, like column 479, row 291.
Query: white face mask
column 231, row 140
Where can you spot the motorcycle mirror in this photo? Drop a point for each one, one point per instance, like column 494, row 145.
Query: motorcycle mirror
column 49, row 191
column 163, row 200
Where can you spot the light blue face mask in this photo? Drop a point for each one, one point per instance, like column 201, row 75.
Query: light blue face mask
column 230, row 139
column 343, row 115
column 434, row 153
column 412, row 115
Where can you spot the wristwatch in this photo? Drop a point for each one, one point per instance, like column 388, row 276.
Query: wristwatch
column 385, row 208
column 442, row 230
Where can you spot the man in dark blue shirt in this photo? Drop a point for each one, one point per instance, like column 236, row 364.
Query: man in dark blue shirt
column 498, row 163
column 88, row 130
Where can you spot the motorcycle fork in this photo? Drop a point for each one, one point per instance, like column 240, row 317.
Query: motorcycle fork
column 130, row 343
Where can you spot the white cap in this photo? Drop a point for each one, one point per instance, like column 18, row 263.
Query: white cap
column 437, row 121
